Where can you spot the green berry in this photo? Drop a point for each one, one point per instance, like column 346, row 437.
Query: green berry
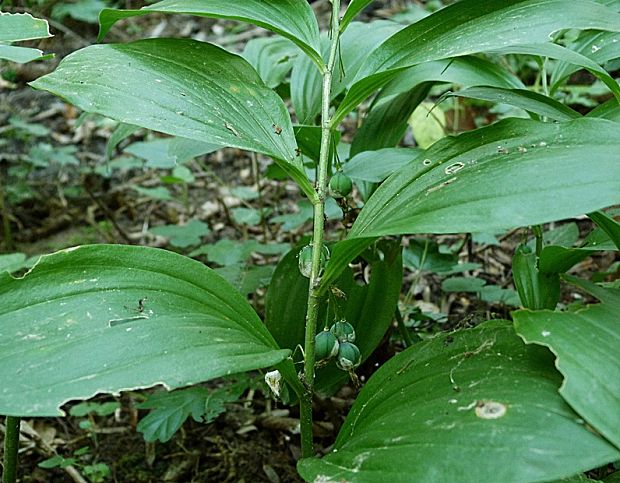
column 325, row 345
column 343, row 331
column 340, row 185
column 349, row 356
column 305, row 260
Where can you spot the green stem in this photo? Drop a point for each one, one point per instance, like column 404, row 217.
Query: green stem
column 6, row 223
column 317, row 241
column 404, row 333
column 537, row 229
column 11, row 445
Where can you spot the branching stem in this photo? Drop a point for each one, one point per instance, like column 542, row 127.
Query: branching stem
column 317, row 239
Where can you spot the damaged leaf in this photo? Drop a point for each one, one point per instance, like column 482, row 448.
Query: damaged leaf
column 476, row 405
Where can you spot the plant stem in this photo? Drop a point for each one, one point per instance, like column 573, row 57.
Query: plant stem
column 404, row 333
column 11, row 445
column 6, row 223
column 317, row 241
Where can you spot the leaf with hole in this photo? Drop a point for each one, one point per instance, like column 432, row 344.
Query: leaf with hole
column 142, row 316
column 499, row 177
column 586, row 344
column 474, row 405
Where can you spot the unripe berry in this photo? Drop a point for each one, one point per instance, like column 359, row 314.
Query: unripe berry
column 349, row 356
column 340, row 185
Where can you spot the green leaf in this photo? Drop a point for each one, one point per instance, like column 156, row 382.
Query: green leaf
column 107, row 318
column 231, row 252
column 608, row 110
column 386, row 122
column 100, row 409
column 537, row 290
column 15, row 27
column 21, row 55
column 428, row 124
column 120, row 133
column 272, row 57
column 475, row 405
column 183, row 236
column 171, row 409
column 586, row 344
column 246, row 278
column 527, row 100
column 471, row 26
column 608, row 225
column 81, row 10
column 499, row 177
column 159, row 193
column 343, row 253
column 462, row 284
column 375, row 166
column 22, row 26
column 355, row 7
column 180, row 87
column 292, row 19
column 12, row 262
column 559, row 259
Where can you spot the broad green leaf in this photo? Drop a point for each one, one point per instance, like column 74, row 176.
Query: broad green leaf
column 16, row 27
column 558, row 259
column 375, row 166
column 527, row 100
column 107, row 318
column 229, row 252
column 355, row 7
column 22, row 26
column 292, row 19
column 475, row 405
column 473, row 26
column 498, row 177
column 272, row 57
column 180, row 87
column 286, row 302
column 246, row 278
column 586, row 344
